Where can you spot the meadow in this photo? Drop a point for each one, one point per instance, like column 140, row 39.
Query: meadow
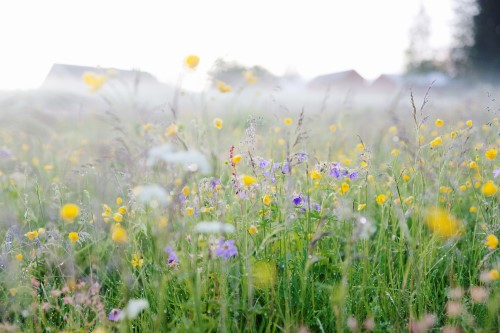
column 247, row 210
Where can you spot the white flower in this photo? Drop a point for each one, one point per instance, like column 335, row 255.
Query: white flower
column 153, row 195
column 211, row 227
column 192, row 160
column 133, row 308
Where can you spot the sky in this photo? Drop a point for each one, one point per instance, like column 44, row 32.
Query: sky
column 311, row 37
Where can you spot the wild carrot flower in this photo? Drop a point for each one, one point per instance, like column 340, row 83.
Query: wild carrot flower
column 442, row 223
column 69, row 212
column 226, row 249
column 192, row 61
column 222, row 86
column 73, row 237
column 218, row 123
column 491, row 242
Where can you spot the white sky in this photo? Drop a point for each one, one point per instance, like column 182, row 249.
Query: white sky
column 310, row 37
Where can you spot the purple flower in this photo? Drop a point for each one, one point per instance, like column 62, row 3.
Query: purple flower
column 286, row 168
column 353, row 175
column 301, row 157
column 214, row 182
column 172, row 256
column 276, row 165
column 302, row 210
column 335, row 170
column 182, row 198
column 114, row 314
column 496, row 173
column 298, row 199
column 226, row 249
column 317, row 207
column 263, row 163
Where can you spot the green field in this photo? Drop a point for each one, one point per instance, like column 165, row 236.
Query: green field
column 251, row 211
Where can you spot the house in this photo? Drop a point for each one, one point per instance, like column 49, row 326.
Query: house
column 415, row 81
column 345, row 80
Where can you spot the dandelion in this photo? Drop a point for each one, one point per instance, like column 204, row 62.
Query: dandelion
column 494, row 275
column 491, row 242
column 218, row 123
column 73, row 237
column 119, row 234
column 19, row 257
column 406, row 177
column 381, row 198
column 439, row 122
column 248, row 180
column 287, row 121
column 473, row 165
column 69, row 212
column 31, row 234
column 226, row 249
column 436, row 142
column 453, row 134
column 489, row 188
column 137, row 260
column 442, row 223
column 222, row 86
column 469, row 123
column 491, row 154
column 192, row 61
column 122, row 210
column 252, row 230
column 266, row 199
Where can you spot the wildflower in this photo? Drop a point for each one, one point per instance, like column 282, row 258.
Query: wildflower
column 361, row 207
column 473, row 209
column 94, row 81
column 218, row 123
column 137, row 260
column 494, row 274
column 189, row 211
column 252, row 230
column 333, row 128
column 119, row 234
column 249, row 77
column 491, row 154
column 172, row 256
column 192, row 61
column 171, row 130
column 344, row 188
column 222, row 86
column 353, row 175
column 266, row 199
column 463, row 188
column 73, row 237
column 478, row 294
column 442, row 223
column 453, row 134
column 436, row 142
column 117, row 217
column 496, row 173
column 153, row 195
column 473, row 165
column 395, row 152
column 147, row 127
column 409, row 200
column 131, row 311
column 439, row 122
column 315, row 174
column 298, row 199
column 31, row 234
column 236, row 159
column 208, row 227
column 491, row 242
column 114, row 314
column 469, row 123
column 489, row 188
column 381, row 198
column 19, row 257
column 185, row 191
column 119, row 200
column 69, row 212
column 248, row 180
column 406, row 177
column 122, row 210
column 226, row 249
column 288, row 121
column 106, row 211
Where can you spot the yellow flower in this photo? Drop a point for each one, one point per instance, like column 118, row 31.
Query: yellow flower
column 494, row 274
column 473, row 165
column 361, row 207
column 442, row 223
column 333, row 128
column 370, row 178
column 185, row 191
column 453, row 134
column 192, row 61
column 393, row 130
column 436, row 142
column 249, row 77
column 171, row 130
column 491, row 242
column 137, row 260
column 469, row 123
column 409, row 200
column 344, row 188
column 489, row 188
column 222, row 86
column 106, row 211
column 122, row 210
column 395, row 152
column 147, row 127
column 117, row 217
column 218, row 123
column 266, row 199
column 236, row 159
column 189, row 211
column 73, row 237
column 473, row 209
column 288, row 121
column 69, row 212
column 94, row 81
column 491, row 154
column 118, row 234
column 119, row 200
column 439, row 122
column 252, row 230
column 463, row 188
column 406, row 177
column 19, row 256
column 281, row 141
column 381, row 198
column 315, row 174
column 248, row 180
